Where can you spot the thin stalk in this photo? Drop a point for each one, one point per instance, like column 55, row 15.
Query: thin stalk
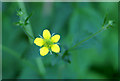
column 27, row 33
column 27, row 28
column 104, row 27
column 40, row 66
column 86, row 38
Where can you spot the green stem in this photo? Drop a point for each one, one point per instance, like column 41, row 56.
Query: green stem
column 27, row 33
column 86, row 39
column 40, row 66
column 27, row 29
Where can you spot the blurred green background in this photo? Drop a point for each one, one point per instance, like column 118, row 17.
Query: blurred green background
column 96, row 58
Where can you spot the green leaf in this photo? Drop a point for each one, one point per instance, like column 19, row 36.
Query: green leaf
column 26, row 20
column 105, row 19
column 20, row 12
column 109, row 24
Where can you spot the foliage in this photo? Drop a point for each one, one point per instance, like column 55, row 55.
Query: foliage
column 86, row 49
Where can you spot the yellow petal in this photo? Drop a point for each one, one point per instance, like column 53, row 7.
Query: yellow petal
column 55, row 38
column 44, row 51
column 46, row 34
column 55, row 48
column 39, row 41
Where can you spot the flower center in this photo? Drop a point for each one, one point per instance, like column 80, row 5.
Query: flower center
column 47, row 43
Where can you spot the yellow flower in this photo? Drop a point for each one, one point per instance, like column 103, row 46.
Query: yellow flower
column 48, row 43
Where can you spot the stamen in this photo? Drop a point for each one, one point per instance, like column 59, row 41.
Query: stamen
column 48, row 43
